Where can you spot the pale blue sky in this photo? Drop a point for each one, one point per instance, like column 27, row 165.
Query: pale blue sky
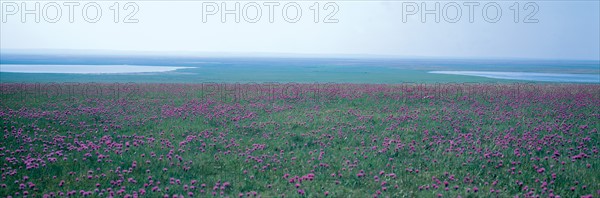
column 566, row 30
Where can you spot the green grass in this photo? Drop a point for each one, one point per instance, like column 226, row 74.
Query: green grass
column 462, row 131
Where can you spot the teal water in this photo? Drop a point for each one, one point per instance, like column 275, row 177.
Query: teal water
column 300, row 70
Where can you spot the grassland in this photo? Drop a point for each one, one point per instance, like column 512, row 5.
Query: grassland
column 300, row 140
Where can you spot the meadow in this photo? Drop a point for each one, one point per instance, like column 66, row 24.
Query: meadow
column 300, row 140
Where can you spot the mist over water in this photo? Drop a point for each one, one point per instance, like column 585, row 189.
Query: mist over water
column 85, row 69
column 529, row 76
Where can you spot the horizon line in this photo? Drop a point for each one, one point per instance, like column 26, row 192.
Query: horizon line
column 215, row 54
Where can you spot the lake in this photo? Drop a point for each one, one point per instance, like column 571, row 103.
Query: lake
column 187, row 69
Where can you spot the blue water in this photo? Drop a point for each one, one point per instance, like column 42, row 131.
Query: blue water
column 302, row 70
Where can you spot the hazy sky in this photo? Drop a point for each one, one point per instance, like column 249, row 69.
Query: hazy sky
column 565, row 29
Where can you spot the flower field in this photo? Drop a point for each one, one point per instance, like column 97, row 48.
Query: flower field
column 300, row 140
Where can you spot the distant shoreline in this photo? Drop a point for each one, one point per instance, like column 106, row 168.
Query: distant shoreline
column 85, row 69
column 528, row 76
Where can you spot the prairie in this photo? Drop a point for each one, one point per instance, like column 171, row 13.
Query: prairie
column 312, row 140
